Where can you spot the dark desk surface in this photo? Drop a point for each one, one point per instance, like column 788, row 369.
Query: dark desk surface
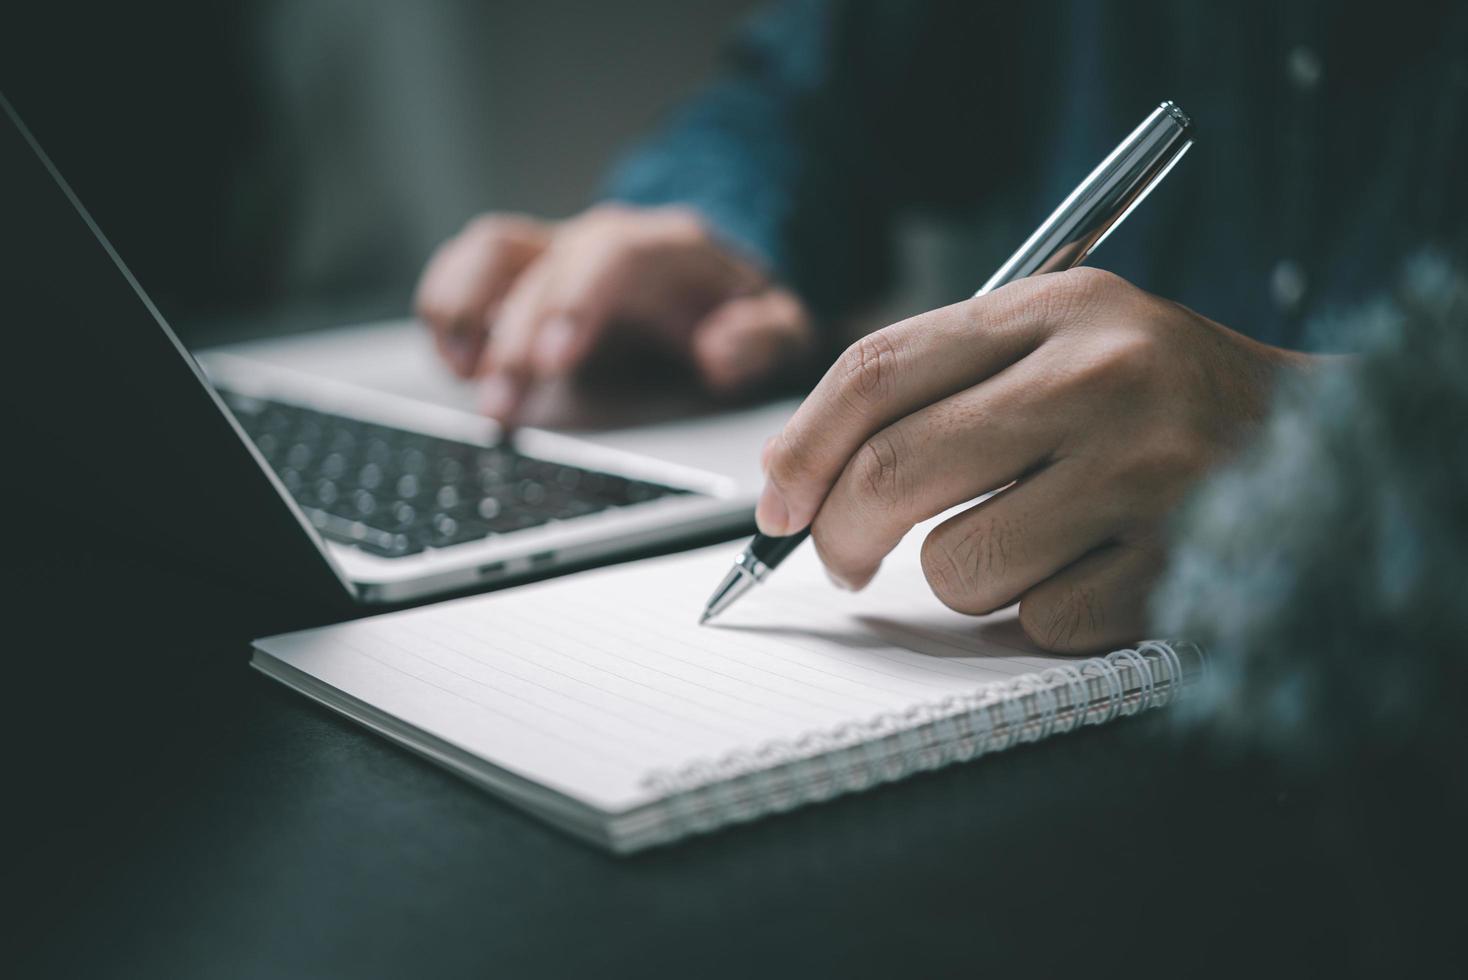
column 179, row 815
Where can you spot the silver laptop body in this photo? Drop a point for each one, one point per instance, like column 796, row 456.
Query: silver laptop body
column 304, row 486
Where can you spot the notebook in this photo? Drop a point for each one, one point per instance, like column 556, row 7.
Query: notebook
column 595, row 701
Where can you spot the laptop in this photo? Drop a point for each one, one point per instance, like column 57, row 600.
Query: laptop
column 318, row 489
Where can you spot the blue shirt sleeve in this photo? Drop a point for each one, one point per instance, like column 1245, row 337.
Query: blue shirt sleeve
column 827, row 119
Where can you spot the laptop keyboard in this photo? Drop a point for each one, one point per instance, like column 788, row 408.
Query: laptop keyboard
column 393, row 493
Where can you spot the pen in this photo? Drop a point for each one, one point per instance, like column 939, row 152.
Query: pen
column 1073, row 230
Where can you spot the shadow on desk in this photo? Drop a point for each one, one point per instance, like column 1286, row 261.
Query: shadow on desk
column 177, row 815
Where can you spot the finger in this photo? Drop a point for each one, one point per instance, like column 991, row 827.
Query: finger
column 748, row 338
column 1096, row 604
column 450, row 300
column 467, row 278
column 986, row 557
column 967, row 445
column 764, row 453
column 504, row 363
column 460, row 350
column 586, row 291
column 552, row 319
column 938, row 457
column 657, row 269
column 890, row 374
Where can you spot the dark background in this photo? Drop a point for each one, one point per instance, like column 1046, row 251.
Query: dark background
column 173, row 814
column 269, row 155
column 170, row 813
column 275, row 165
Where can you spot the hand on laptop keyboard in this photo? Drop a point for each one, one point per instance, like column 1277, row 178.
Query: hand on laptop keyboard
column 518, row 302
column 392, row 493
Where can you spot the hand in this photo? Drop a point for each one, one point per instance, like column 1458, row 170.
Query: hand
column 1094, row 405
column 518, row 301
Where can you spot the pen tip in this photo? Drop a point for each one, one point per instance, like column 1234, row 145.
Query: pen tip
column 704, row 617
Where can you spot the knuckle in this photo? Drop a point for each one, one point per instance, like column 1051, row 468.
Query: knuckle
column 604, row 257
column 487, row 227
column 493, row 258
column 1076, row 294
column 876, row 470
column 600, row 222
column 783, row 467
column 1117, row 364
column 970, row 562
column 681, row 224
column 1089, row 279
column 653, row 235
column 647, row 247
column 949, row 577
column 1130, row 357
column 1061, row 619
column 486, row 246
column 868, row 371
column 837, row 553
column 604, row 211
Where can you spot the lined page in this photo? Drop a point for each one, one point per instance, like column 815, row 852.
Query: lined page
column 587, row 684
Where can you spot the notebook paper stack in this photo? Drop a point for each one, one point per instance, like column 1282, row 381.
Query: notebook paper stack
column 597, row 703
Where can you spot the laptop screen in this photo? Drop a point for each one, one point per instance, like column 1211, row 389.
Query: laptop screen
column 271, row 165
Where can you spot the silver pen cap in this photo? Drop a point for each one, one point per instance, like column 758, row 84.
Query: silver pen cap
column 1103, row 199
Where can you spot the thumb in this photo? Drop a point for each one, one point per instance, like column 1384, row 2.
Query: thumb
column 746, row 339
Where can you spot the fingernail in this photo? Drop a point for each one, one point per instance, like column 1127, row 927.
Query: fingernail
column 499, row 397
column 771, row 514
column 553, row 346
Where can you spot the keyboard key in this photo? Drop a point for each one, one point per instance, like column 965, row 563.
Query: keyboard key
column 379, row 451
column 530, row 492
column 364, row 502
column 413, row 461
column 393, row 493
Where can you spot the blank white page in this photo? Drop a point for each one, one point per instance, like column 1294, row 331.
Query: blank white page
column 587, row 684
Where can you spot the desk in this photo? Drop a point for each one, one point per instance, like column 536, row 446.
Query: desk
column 178, row 814
column 181, row 816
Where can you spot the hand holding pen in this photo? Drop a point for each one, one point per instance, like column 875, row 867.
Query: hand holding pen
column 1093, row 405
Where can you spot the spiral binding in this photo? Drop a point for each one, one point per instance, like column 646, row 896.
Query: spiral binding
column 783, row 774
